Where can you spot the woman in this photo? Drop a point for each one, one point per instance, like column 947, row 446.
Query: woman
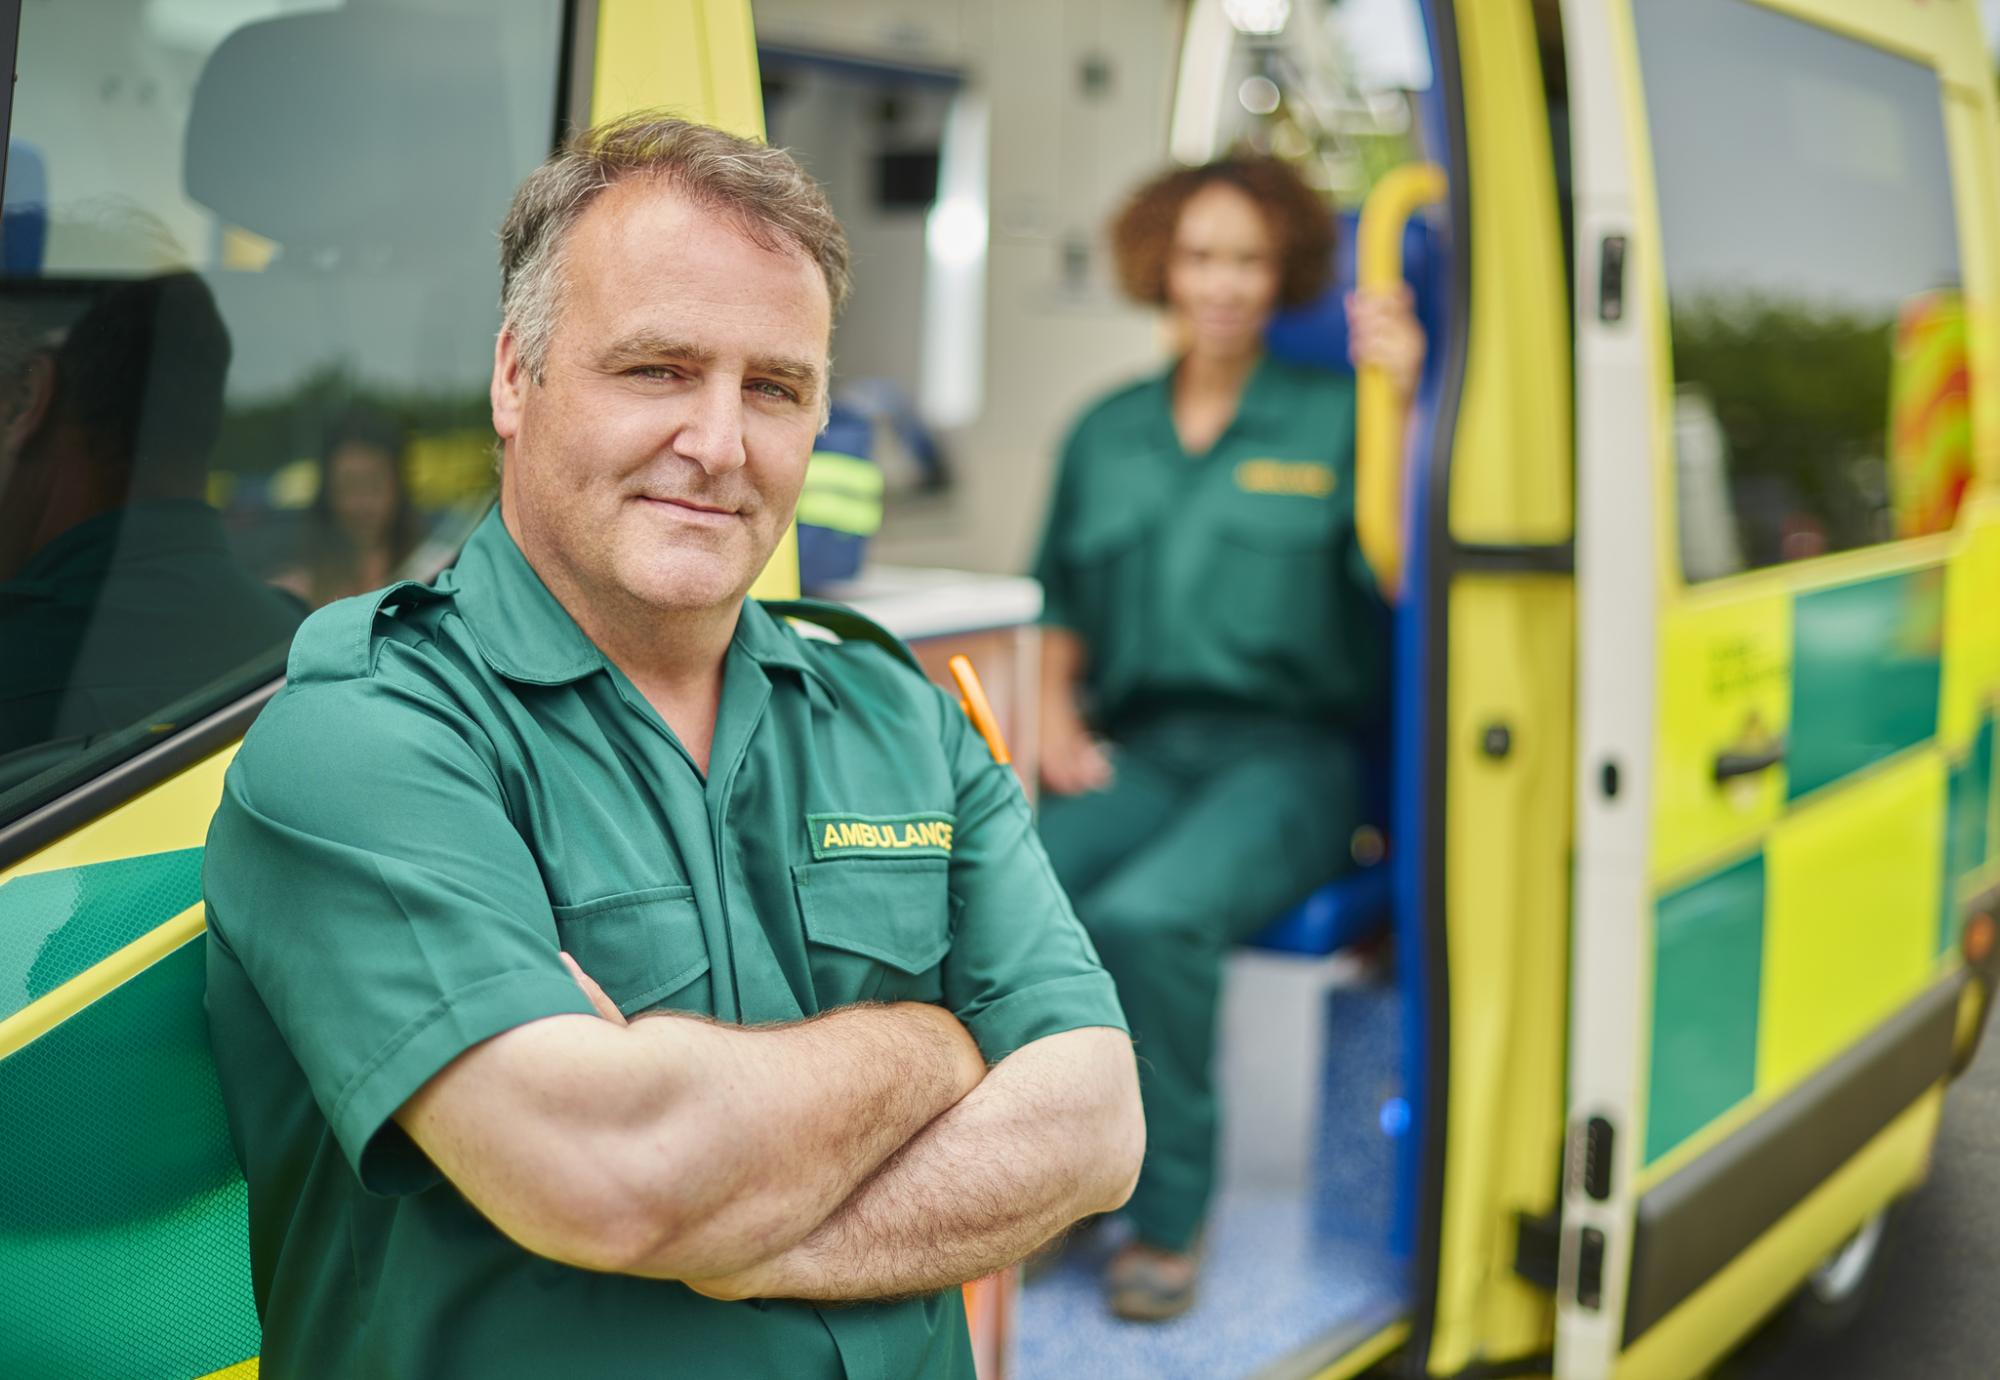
column 362, row 527
column 1214, row 647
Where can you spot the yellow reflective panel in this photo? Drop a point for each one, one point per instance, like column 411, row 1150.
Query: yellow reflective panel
column 242, row 1370
column 697, row 58
column 1725, row 688
column 169, row 816
column 1850, row 922
column 1971, row 632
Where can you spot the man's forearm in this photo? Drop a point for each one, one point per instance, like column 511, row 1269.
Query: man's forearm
column 796, row 1117
column 1052, row 1134
column 678, row 1147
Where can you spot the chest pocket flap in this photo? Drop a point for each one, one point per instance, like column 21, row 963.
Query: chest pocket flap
column 1108, row 525
column 641, row 947
column 1281, row 524
column 893, row 910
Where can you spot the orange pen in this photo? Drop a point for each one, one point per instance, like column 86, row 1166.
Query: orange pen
column 972, row 698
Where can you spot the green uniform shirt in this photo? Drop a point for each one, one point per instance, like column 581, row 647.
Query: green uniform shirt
column 454, row 784
column 1231, row 579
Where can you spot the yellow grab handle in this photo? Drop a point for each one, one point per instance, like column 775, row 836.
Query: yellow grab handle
column 1379, row 414
column 972, row 698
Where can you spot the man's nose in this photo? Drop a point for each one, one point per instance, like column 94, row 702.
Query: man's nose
column 711, row 431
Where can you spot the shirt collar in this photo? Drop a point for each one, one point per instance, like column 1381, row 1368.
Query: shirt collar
column 526, row 634
column 522, row 630
column 1266, row 408
column 768, row 642
column 1263, row 412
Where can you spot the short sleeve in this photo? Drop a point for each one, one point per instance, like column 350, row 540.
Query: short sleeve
column 1051, row 568
column 1020, row 967
column 363, row 871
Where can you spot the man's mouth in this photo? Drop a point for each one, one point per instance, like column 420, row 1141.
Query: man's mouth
column 690, row 509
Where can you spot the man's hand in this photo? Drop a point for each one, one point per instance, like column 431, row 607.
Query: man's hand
column 1053, row 1134
column 606, row 1007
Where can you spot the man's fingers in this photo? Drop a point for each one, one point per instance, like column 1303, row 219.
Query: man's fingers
column 605, row 1007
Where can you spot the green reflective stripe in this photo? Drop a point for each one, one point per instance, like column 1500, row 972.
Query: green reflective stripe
column 1865, row 675
column 858, row 517
column 55, row 924
column 124, row 1230
column 1707, row 967
column 1968, row 813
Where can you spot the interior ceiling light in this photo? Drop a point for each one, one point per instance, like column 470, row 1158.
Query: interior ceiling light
column 1263, row 17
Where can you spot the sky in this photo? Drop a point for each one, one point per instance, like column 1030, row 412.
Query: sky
column 1990, row 9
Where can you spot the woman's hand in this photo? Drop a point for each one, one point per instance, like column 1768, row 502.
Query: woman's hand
column 1073, row 762
column 1382, row 332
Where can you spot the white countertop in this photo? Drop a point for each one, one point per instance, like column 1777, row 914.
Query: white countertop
column 916, row 602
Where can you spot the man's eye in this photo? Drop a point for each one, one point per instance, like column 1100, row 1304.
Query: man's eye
column 652, row 371
column 775, row 391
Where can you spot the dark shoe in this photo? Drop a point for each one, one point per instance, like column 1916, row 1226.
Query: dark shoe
column 1145, row 1284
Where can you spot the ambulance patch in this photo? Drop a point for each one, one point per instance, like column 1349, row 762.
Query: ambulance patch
column 1300, row 478
column 880, row 836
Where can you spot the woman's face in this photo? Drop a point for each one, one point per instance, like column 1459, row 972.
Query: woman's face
column 361, row 491
column 1222, row 272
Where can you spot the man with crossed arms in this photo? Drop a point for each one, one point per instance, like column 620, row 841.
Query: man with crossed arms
column 604, row 977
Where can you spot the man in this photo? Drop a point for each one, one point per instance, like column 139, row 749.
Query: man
column 119, row 595
column 803, row 908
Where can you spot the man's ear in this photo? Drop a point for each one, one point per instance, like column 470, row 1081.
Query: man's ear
column 38, row 396
column 510, row 382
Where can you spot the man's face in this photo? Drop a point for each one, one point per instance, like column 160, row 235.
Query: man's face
column 660, row 459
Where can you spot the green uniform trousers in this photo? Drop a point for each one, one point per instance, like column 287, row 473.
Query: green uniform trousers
column 1214, row 826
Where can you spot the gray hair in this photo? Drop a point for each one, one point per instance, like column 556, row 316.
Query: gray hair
column 777, row 204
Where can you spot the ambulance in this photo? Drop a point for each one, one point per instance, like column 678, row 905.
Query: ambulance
column 1689, row 858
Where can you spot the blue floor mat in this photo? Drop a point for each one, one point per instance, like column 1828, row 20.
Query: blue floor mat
column 1284, row 1267
column 1269, row 1288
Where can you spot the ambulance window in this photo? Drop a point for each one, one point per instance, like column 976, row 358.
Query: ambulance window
column 247, row 308
column 1819, row 336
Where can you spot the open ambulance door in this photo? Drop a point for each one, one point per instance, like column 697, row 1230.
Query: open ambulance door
column 1785, row 670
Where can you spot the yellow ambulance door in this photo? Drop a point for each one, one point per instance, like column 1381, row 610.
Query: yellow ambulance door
column 1786, row 744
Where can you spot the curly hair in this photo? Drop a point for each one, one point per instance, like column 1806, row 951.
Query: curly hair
column 1142, row 233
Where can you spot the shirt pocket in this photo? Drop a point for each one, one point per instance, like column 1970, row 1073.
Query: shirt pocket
column 876, row 929
column 644, row 948
column 1270, row 579
column 1106, row 558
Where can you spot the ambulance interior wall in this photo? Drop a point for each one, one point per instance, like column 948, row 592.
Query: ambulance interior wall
column 1062, row 151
